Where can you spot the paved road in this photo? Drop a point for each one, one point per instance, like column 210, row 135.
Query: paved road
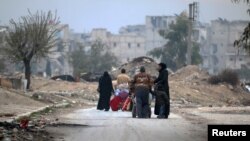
column 119, row 126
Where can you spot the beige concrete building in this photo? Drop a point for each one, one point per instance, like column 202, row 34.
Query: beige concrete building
column 124, row 46
column 134, row 40
column 219, row 52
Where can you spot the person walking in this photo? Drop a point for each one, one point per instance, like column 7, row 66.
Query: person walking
column 162, row 104
column 105, row 89
column 123, row 78
column 142, row 87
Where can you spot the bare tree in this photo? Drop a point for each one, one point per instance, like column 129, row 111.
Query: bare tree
column 31, row 37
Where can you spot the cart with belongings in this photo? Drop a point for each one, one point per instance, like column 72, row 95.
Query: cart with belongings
column 121, row 100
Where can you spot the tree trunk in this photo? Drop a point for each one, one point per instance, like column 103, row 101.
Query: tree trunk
column 27, row 72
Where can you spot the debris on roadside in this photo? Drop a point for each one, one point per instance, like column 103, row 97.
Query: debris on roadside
column 22, row 131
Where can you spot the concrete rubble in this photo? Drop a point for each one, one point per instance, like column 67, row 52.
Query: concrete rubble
column 191, row 83
column 133, row 67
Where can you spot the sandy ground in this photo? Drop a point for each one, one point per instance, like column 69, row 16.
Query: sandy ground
column 12, row 104
column 42, row 84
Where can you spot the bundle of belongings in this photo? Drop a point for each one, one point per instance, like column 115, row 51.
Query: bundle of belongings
column 121, row 99
column 122, row 91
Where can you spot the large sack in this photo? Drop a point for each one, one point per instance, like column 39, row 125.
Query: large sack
column 115, row 102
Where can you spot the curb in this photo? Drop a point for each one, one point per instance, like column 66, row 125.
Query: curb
column 37, row 110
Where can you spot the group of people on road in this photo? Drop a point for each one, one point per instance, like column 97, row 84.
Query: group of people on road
column 143, row 84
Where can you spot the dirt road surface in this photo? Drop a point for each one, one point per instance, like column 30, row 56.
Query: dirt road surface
column 106, row 126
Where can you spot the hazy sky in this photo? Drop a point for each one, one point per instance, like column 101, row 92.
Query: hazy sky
column 83, row 15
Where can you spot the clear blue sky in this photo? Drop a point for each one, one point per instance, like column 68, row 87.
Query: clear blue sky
column 83, row 15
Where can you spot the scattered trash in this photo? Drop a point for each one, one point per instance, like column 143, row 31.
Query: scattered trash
column 24, row 123
column 12, row 131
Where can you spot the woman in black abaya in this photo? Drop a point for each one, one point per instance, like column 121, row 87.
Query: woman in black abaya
column 105, row 89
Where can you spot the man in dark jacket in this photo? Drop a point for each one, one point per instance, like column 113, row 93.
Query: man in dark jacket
column 162, row 84
column 142, row 86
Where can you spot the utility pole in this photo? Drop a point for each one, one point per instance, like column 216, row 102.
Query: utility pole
column 193, row 15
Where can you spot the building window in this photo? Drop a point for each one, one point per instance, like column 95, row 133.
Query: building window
column 114, row 44
column 129, row 45
column 213, row 33
column 240, row 59
column 138, row 45
column 221, row 44
column 215, row 49
column 231, row 59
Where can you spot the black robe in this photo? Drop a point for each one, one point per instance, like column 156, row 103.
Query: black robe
column 105, row 89
column 162, row 80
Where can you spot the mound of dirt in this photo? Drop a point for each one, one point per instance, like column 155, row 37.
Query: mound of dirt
column 189, row 73
column 190, row 85
column 133, row 67
column 52, row 91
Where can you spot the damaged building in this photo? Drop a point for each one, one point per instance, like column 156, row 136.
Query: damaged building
column 219, row 52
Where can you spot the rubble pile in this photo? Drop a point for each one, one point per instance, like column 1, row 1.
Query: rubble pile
column 133, row 66
column 190, row 85
column 189, row 73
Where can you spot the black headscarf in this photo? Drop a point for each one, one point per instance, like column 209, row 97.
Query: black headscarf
column 163, row 66
column 105, row 83
column 106, row 77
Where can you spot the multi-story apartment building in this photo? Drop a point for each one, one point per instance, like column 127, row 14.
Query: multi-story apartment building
column 219, row 51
